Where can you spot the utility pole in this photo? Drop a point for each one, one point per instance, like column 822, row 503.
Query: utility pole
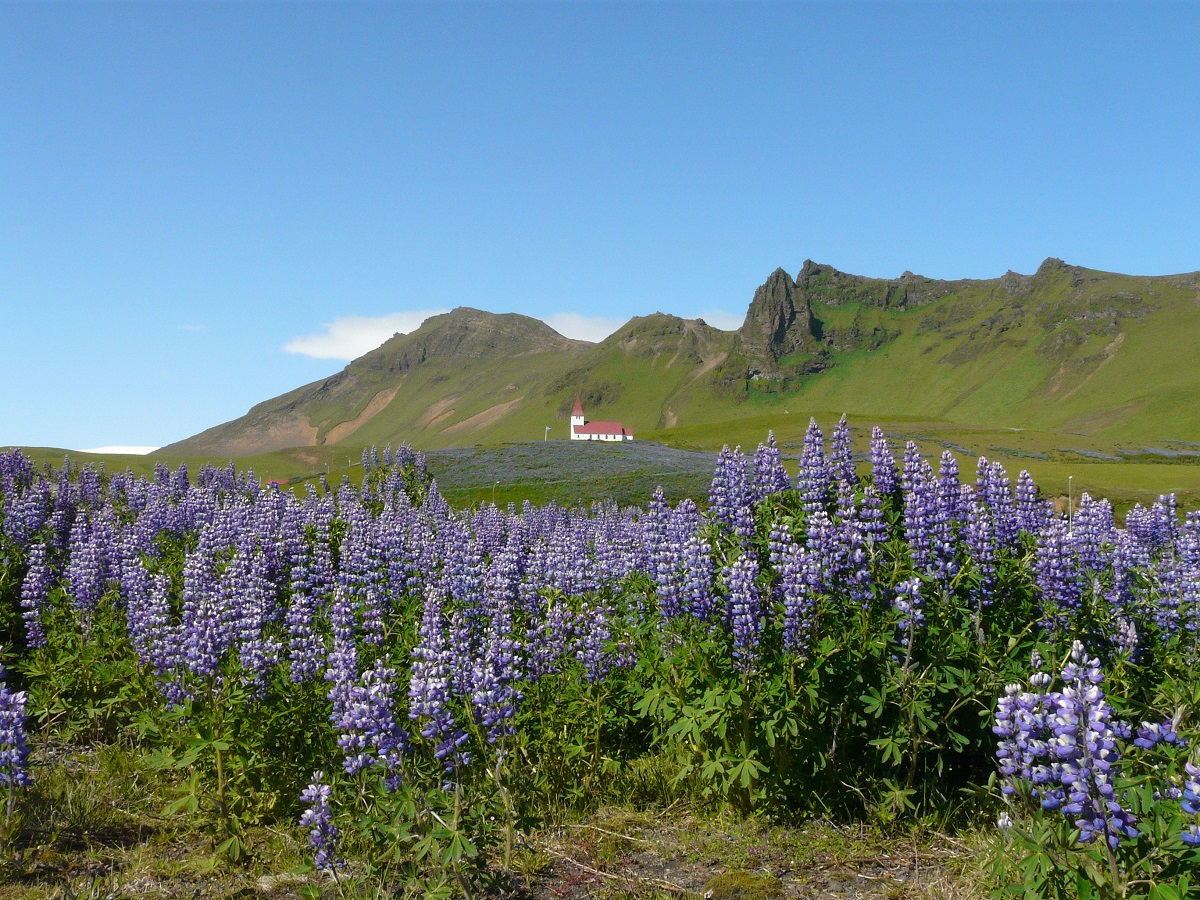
column 1070, row 506
column 546, row 436
column 494, row 492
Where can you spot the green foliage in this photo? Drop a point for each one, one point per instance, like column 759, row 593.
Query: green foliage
column 740, row 885
column 85, row 684
column 865, row 721
column 1038, row 852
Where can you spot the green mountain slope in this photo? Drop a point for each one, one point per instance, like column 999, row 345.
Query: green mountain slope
column 1066, row 349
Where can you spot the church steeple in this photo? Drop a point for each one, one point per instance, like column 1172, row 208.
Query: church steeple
column 577, row 419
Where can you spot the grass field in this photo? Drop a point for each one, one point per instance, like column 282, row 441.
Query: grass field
column 1063, row 464
column 682, row 460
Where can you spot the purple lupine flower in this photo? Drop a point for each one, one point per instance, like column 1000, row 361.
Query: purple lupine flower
column 685, row 521
column 981, row 543
column 800, row 580
column 26, row 507
column 1127, row 557
column 318, row 818
column 698, row 577
column 1092, row 534
column 1023, row 751
column 341, row 618
column 1032, row 512
column 911, row 607
column 1189, row 539
column 883, row 464
column 494, row 693
column 430, row 687
column 1151, row 734
column 744, row 609
column 1064, row 745
column 1165, row 515
column 1190, row 802
column 920, row 511
column 854, row 556
column 90, row 489
column 779, row 538
column 341, row 672
column 503, row 577
column 949, row 490
column 731, row 496
column 1170, row 578
column 667, row 561
column 1085, row 744
column 62, row 519
column 548, row 637
column 594, row 640
column 396, row 548
column 361, row 573
column 911, row 467
column 249, row 595
column 1126, row 637
column 148, row 615
column 462, row 568
column 87, row 570
column 16, row 472
column 34, row 589
column 491, row 529
column 305, row 650
column 1189, row 601
column 845, row 502
column 14, row 746
column 813, row 478
column 993, row 487
column 368, row 732
column 842, row 455
column 660, row 555
column 825, row 541
column 207, row 625
column 870, row 514
column 770, row 477
column 947, row 513
column 1057, row 575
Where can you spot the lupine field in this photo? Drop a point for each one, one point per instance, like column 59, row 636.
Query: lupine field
column 416, row 686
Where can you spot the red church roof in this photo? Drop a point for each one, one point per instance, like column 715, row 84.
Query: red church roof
column 602, row 428
column 578, row 410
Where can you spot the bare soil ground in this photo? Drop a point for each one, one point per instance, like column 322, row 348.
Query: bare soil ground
column 619, row 853
column 616, row 854
column 93, row 827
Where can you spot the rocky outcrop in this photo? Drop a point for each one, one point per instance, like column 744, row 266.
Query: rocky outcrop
column 819, row 283
column 779, row 321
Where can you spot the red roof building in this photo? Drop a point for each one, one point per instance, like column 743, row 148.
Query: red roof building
column 583, row 430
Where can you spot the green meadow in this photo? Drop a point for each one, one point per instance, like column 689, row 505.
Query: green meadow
column 681, row 460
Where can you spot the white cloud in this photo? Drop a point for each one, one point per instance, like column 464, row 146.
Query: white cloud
column 726, row 321
column 127, row 451
column 583, row 328
column 352, row 336
column 196, row 329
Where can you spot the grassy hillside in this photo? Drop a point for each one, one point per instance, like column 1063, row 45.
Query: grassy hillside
column 1069, row 372
column 1068, row 350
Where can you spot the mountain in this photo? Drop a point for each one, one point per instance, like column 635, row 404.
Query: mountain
column 1067, row 348
column 456, row 373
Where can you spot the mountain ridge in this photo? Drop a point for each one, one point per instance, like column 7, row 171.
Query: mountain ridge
column 1065, row 347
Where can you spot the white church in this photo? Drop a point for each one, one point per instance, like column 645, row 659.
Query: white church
column 583, row 430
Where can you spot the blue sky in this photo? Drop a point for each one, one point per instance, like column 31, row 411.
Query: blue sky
column 197, row 199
